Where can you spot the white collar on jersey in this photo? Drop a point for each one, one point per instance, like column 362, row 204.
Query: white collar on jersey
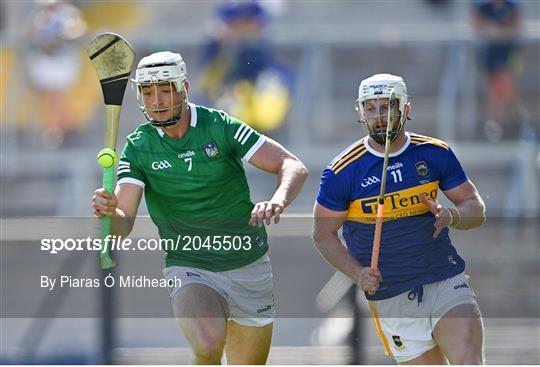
column 192, row 123
column 381, row 154
column 193, row 109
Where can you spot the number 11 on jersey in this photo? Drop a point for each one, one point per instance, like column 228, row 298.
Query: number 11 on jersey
column 396, row 175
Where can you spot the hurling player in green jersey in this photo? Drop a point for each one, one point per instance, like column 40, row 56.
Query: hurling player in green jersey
column 187, row 160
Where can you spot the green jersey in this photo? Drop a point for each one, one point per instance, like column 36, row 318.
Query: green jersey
column 196, row 189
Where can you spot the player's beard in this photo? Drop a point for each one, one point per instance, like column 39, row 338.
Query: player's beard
column 378, row 132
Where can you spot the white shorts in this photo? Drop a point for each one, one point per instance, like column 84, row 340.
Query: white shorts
column 406, row 326
column 249, row 290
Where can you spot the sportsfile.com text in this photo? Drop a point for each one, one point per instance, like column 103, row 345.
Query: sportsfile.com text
column 119, row 243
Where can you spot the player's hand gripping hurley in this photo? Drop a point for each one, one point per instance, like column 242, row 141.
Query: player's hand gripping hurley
column 113, row 58
column 380, row 201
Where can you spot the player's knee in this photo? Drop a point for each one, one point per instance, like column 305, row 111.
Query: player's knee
column 468, row 356
column 469, row 347
column 209, row 349
column 208, row 344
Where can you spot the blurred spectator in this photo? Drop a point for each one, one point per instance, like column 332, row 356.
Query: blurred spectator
column 54, row 64
column 498, row 24
column 2, row 16
column 239, row 71
column 437, row 2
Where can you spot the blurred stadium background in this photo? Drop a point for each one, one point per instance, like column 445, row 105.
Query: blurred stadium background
column 329, row 46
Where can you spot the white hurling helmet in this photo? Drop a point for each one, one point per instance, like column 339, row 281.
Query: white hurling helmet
column 380, row 86
column 157, row 69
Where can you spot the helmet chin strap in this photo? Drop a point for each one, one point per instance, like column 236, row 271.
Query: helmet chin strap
column 172, row 121
column 380, row 137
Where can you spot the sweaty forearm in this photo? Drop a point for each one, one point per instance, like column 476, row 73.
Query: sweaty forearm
column 336, row 254
column 290, row 180
column 469, row 214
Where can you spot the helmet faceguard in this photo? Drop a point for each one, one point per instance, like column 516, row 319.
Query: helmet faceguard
column 374, row 89
column 157, row 69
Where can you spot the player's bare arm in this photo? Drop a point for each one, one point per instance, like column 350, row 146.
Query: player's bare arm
column 327, row 222
column 121, row 206
column 291, row 174
column 469, row 210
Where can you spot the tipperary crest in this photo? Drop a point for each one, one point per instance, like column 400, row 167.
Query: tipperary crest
column 211, row 149
column 397, row 342
column 422, row 168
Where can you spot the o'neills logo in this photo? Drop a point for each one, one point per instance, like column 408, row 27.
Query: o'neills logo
column 267, row 308
column 189, row 153
column 394, row 166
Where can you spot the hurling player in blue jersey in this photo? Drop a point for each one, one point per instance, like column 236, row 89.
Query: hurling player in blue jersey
column 419, row 298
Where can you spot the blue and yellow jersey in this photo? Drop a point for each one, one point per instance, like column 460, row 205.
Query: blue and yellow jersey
column 409, row 255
